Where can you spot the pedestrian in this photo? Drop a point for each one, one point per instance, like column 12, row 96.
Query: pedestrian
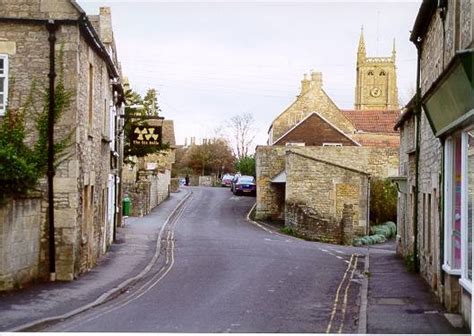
column 187, row 179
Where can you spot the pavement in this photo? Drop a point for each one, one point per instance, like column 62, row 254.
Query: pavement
column 128, row 260
column 401, row 302
column 393, row 300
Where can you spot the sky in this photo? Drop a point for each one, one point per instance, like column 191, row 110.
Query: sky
column 212, row 60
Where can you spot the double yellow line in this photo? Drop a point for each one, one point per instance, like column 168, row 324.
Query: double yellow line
column 340, row 303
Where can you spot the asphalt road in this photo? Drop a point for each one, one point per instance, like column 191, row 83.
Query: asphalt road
column 220, row 273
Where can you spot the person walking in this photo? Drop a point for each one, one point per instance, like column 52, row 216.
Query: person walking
column 187, row 180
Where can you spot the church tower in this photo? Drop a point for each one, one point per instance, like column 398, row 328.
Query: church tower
column 376, row 82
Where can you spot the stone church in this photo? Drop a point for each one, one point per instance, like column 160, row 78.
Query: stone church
column 314, row 174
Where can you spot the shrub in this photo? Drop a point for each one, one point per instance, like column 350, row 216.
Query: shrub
column 383, row 201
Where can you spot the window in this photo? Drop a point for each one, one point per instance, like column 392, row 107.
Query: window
column 452, row 262
column 382, row 73
column 459, row 209
column 332, row 144
column 467, row 197
column 91, row 94
column 3, row 83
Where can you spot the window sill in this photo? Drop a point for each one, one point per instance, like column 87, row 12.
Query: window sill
column 466, row 284
column 451, row 271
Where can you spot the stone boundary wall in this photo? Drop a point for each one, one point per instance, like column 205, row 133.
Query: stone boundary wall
column 20, row 230
column 207, row 181
column 151, row 189
column 174, row 185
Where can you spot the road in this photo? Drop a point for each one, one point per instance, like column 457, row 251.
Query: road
column 219, row 272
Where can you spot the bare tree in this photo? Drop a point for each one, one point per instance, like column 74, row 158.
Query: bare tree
column 242, row 132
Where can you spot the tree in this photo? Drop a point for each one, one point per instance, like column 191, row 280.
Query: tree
column 246, row 165
column 242, row 132
column 150, row 103
column 383, row 201
column 213, row 157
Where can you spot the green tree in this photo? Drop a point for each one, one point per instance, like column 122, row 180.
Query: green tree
column 21, row 165
column 246, row 165
column 383, row 201
column 150, row 103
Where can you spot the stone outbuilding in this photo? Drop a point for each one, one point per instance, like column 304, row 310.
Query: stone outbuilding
column 436, row 180
column 87, row 196
column 314, row 175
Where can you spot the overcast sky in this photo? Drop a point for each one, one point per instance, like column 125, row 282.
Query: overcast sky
column 212, row 60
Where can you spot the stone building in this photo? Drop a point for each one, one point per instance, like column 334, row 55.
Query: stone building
column 436, row 179
column 86, row 183
column 376, row 80
column 314, row 175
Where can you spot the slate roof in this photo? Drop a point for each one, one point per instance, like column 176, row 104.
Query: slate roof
column 373, row 121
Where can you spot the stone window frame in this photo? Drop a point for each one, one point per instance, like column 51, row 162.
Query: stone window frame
column 4, row 77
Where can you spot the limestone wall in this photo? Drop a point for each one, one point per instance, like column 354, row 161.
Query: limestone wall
column 20, row 230
column 150, row 190
column 269, row 162
column 321, row 191
column 82, row 186
column 459, row 35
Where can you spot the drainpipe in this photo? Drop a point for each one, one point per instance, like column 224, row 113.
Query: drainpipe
column 367, row 228
column 52, row 28
column 417, row 154
column 443, row 8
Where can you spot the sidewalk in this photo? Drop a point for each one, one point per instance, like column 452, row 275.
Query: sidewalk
column 125, row 262
column 399, row 301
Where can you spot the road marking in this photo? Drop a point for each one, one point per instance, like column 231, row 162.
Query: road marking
column 147, row 286
column 336, row 300
column 344, row 305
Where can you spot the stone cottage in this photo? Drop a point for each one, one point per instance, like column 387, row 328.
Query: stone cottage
column 35, row 35
column 436, row 179
column 314, row 175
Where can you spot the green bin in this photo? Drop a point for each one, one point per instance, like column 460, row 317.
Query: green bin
column 127, row 206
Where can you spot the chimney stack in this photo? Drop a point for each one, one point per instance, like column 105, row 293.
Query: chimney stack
column 316, row 79
column 305, row 84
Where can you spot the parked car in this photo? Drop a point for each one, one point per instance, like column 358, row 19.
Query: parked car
column 245, row 185
column 227, row 180
column 234, row 181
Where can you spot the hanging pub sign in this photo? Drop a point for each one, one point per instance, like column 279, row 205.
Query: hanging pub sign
column 146, row 135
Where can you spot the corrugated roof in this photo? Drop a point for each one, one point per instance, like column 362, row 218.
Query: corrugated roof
column 373, row 121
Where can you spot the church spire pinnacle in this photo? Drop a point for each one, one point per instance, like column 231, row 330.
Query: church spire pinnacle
column 394, row 52
column 361, row 50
